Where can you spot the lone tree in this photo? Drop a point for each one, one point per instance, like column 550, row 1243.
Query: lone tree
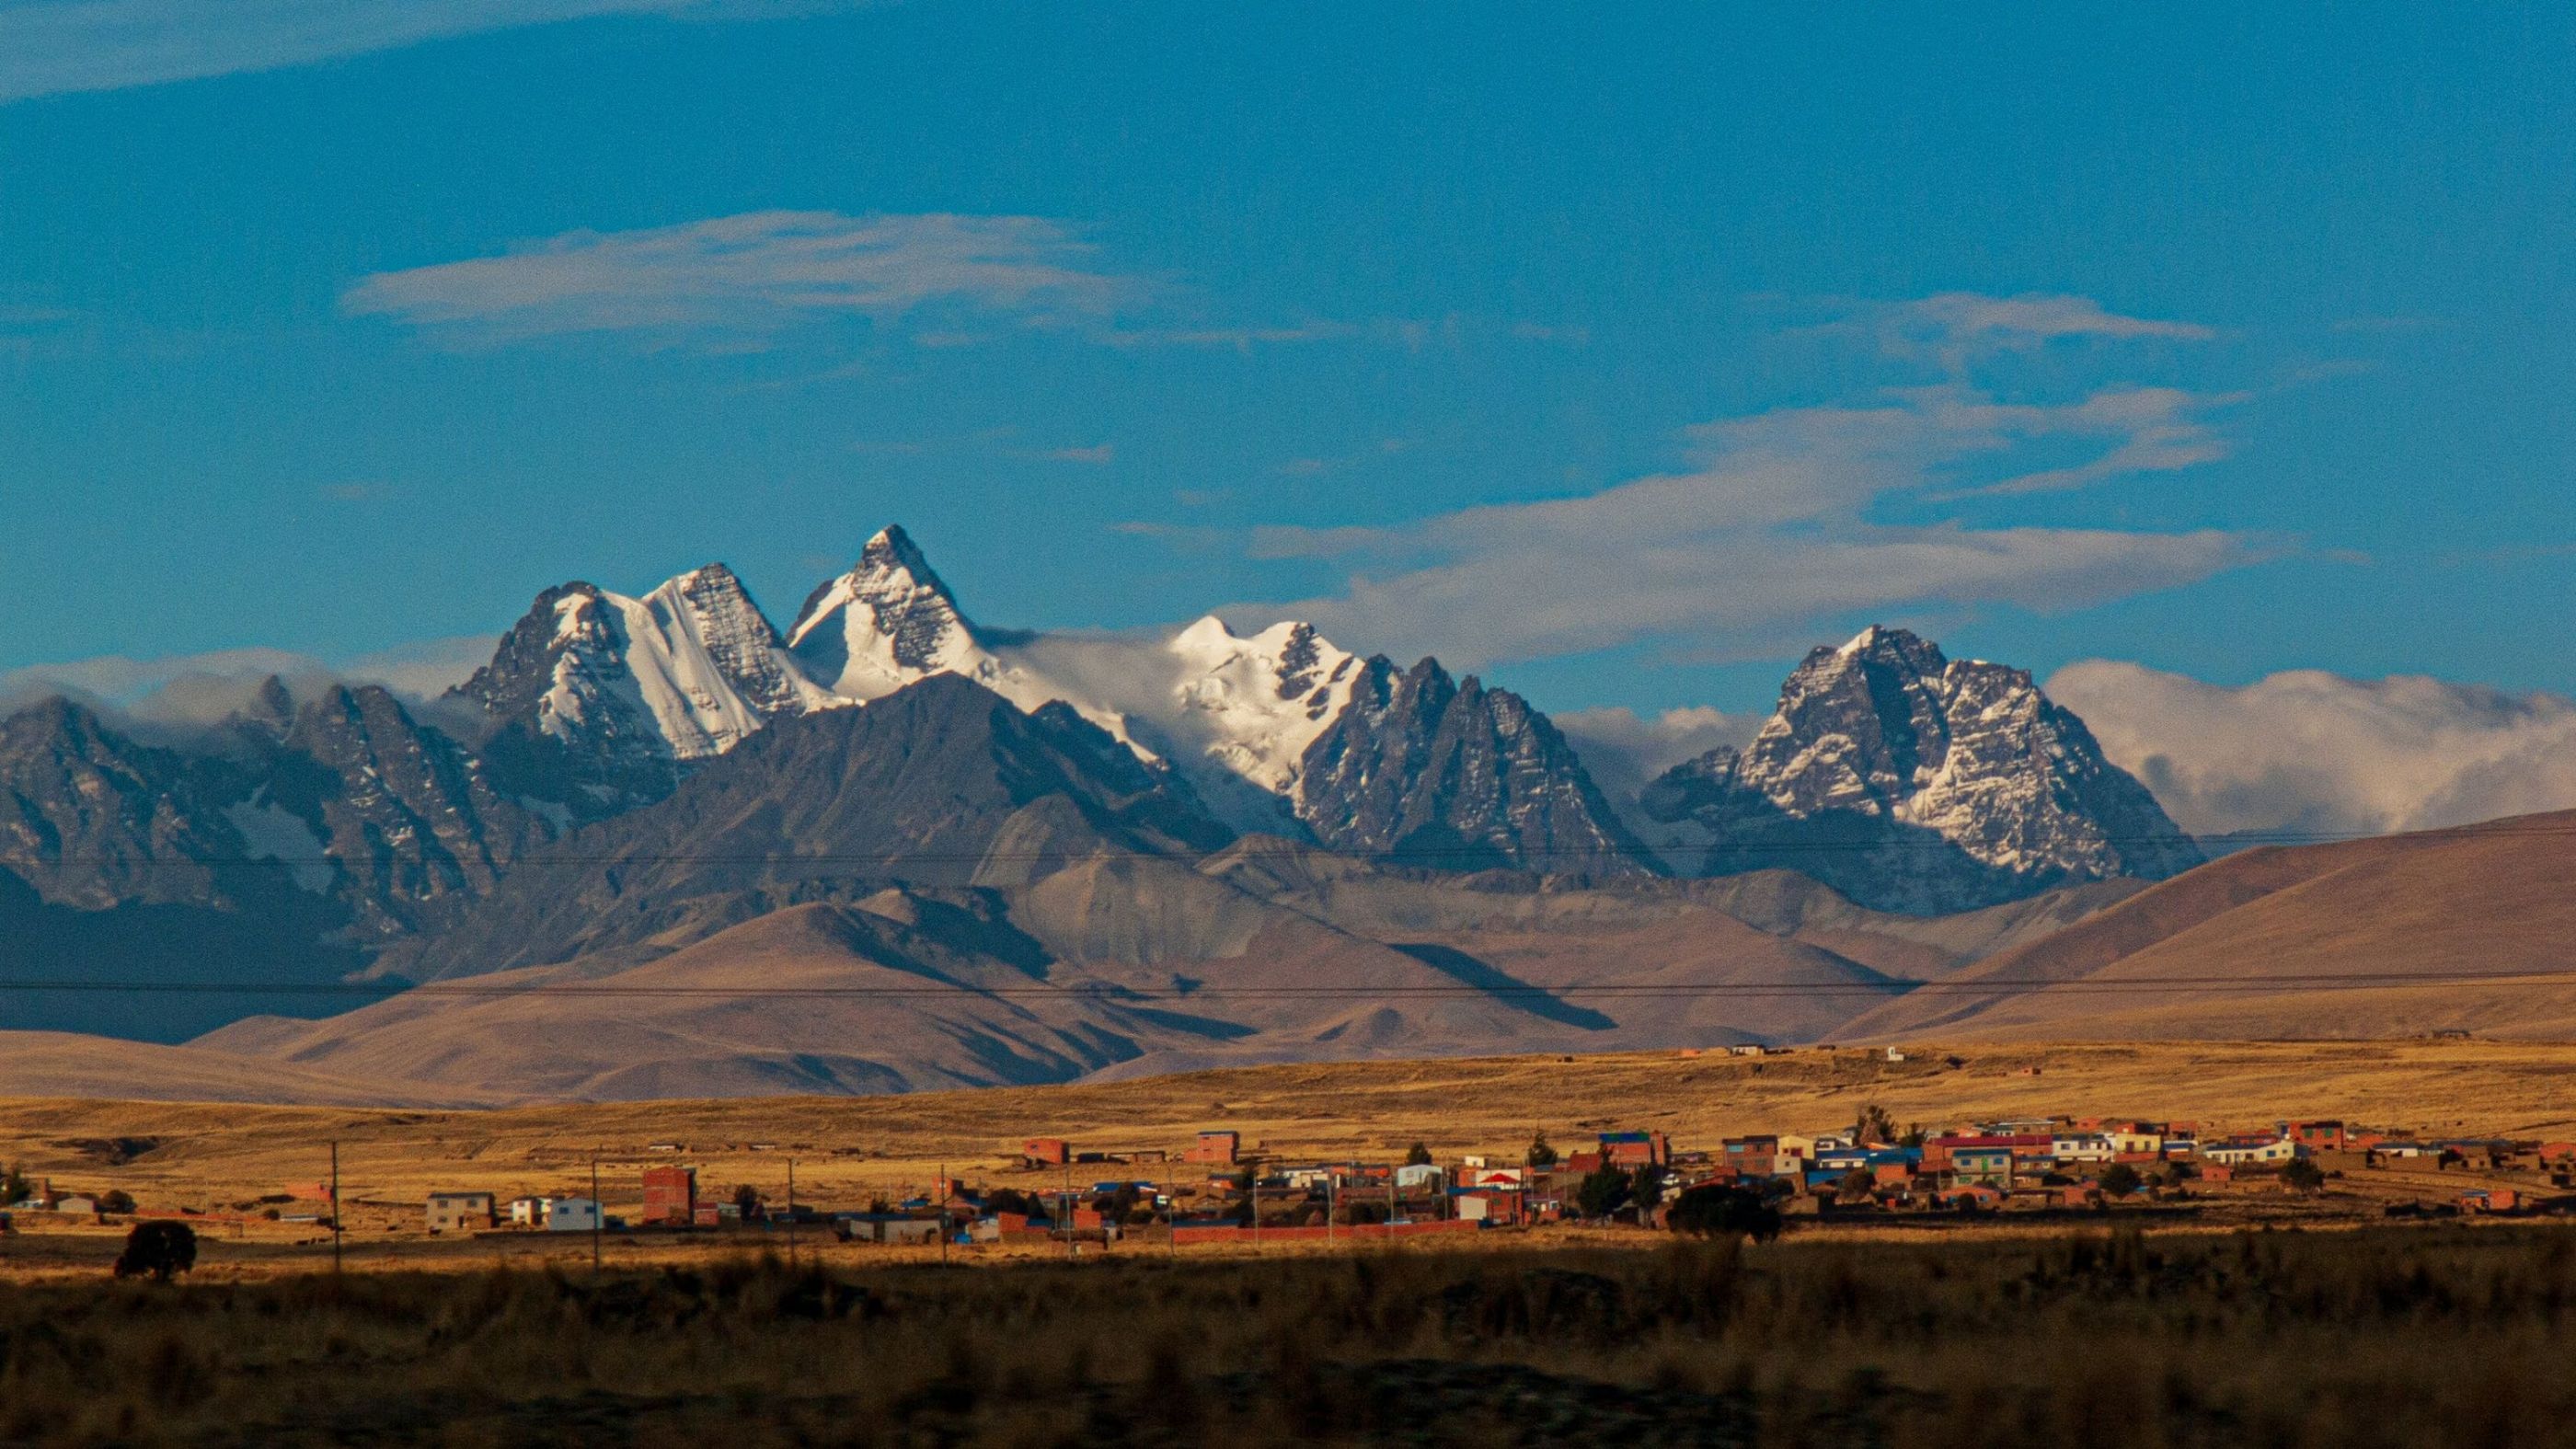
column 1715, row 1210
column 116, row 1200
column 1857, row 1186
column 1603, row 1191
column 1876, row 1126
column 2120, row 1179
column 1417, row 1155
column 2302, row 1176
column 158, row 1251
column 1540, row 1154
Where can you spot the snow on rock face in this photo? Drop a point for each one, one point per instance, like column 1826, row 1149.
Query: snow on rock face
column 1255, row 704
column 891, row 621
column 886, row 623
column 1911, row 781
column 609, row 695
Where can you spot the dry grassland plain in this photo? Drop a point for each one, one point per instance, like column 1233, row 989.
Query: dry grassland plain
column 846, row 1151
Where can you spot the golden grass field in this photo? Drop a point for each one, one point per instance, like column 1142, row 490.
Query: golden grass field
column 846, row 1150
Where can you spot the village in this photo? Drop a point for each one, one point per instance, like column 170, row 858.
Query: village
column 1218, row 1190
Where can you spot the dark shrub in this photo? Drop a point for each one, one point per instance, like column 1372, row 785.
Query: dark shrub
column 159, row 1251
column 1714, row 1210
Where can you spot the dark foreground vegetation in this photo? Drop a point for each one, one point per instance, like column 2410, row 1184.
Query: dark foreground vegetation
column 2387, row 1337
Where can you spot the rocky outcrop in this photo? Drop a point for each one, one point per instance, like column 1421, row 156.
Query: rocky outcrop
column 1913, row 782
column 1452, row 775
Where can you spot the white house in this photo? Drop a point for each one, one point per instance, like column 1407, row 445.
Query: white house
column 2238, row 1154
column 571, row 1215
column 2081, row 1147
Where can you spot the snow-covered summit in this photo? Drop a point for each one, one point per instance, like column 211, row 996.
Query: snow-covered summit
column 1917, row 782
column 891, row 621
column 1255, row 704
column 604, row 696
column 888, row 622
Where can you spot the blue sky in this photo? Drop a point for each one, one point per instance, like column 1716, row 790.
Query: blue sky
column 1620, row 358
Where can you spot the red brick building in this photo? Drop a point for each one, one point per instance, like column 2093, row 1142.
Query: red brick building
column 1046, row 1152
column 1219, row 1147
column 670, row 1196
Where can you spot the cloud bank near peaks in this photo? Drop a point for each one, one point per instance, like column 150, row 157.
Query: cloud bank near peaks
column 1786, row 523
column 2310, row 751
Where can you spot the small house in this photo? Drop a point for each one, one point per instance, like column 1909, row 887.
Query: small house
column 572, row 1215
column 2247, row 1151
column 1991, row 1166
column 459, row 1212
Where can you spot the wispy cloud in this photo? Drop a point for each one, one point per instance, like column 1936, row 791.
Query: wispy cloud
column 1784, row 522
column 1245, row 339
column 49, row 47
column 744, row 276
column 2150, row 429
column 1102, row 453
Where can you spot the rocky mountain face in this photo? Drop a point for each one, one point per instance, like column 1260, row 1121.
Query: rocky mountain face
column 630, row 774
column 598, row 702
column 91, row 818
column 404, row 825
column 942, row 784
column 1913, row 782
column 1451, row 775
column 275, row 850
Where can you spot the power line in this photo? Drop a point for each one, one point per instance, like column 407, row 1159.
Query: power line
column 1111, row 994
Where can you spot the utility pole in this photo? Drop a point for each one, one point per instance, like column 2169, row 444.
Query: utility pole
column 598, row 1214
column 335, row 1209
column 791, row 1212
column 1332, row 1187
column 942, row 1189
column 1172, row 1218
column 1064, row 1211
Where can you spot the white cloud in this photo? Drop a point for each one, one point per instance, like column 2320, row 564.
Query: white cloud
column 49, row 47
column 198, row 689
column 2309, row 751
column 744, row 276
column 1623, row 749
column 1772, row 534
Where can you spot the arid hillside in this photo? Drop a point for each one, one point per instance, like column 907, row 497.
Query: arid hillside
column 2454, row 930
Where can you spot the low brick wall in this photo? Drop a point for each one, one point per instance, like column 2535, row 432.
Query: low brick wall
column 1319, row 1234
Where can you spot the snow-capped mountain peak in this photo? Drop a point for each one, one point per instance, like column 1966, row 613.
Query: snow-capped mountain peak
column 886, row 623
column 1913, row 781
column 614, row 692
column 891, row 621
column 1254, row 704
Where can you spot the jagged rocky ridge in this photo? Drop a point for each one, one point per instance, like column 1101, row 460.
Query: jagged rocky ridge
column 1913, row 782
column 326, row 828
column 600, row 703
column 1456, row 776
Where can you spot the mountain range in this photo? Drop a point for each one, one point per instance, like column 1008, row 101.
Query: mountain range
column 1079, row 856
